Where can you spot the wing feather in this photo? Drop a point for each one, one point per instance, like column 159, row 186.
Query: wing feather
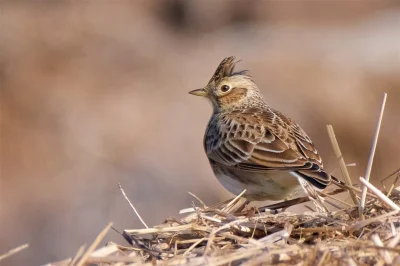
column 266, row 140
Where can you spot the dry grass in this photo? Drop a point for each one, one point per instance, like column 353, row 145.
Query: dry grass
column 226, row 235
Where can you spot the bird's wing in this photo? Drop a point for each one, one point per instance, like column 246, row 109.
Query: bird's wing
column 262, row 140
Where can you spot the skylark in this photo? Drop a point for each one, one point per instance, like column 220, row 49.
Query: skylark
column 255, row 147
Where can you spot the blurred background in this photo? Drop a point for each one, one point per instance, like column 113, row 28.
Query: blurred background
column 95, row 92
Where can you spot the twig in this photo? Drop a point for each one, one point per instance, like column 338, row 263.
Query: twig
column 384, row 253
column 194, row 196
column 394, row 241
column 187, row 210
column 158, row 230
column 209, row 242
column 338, row 200
column 323, row 229
column 212, row 219
column 371, row 158
column 388, row 176
column 358, row 191
column 133, row 207
column 239, row 238
column 110, row 259
column 292, row 202
column 393, row 185
column 77, row 255
column 338, row 168
column 333, row 204
column 324, row 256
column 394, row 232
column 233, row 202
column 342, row 164
column 275, row 237
column 194, row 245
column 363, row 223
column 93, row 246
column 309, row 208
column 378, row 193
column 13, row 251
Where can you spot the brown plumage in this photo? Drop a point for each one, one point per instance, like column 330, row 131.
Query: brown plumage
column 252, row 146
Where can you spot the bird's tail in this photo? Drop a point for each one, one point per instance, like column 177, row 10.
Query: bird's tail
column 320, row 179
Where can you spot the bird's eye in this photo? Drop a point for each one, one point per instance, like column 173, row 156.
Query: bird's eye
column 225, row 88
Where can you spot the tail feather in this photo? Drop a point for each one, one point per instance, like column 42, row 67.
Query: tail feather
column 319, row 179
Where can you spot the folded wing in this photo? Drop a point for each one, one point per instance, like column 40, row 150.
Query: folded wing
column 266, row 140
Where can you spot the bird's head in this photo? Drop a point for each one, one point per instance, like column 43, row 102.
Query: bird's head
column 228, row 90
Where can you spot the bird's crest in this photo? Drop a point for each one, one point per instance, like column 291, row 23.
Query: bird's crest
column 226, row 69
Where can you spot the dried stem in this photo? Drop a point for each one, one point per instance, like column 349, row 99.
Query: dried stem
column 384, row 253
column 380, row 195
column 393, row 184
column 13, row 251
column 296, row 201
column 94, row 245
column 371, row 157
column 77, row 255
column 198, row 199
column 342, row 164
column 133, row 207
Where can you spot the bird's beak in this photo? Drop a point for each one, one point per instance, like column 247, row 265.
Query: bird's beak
column 199, row 92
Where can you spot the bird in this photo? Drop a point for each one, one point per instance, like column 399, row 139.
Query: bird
column 252, row 146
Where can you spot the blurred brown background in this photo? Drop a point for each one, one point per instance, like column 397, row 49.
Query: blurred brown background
column 95, row 92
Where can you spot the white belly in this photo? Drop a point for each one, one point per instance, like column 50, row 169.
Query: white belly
column 260, row 186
